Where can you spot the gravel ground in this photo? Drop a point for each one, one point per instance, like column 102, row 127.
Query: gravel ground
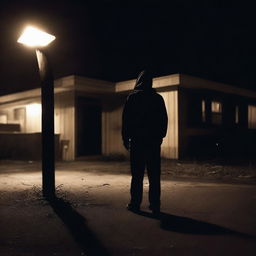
column 214, row 170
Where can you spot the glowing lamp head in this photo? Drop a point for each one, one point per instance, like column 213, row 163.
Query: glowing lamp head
column 34, row 37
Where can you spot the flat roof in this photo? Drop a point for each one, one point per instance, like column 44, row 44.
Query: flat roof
column 90, row 85
column 68, row 83
column 186, row 81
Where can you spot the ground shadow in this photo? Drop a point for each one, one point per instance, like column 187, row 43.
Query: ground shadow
column 76, row 224
column 187, row 225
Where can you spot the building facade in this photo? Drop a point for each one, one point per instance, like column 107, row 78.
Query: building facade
column 204, row 117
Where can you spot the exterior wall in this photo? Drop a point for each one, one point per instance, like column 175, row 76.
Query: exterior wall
column 252, row 116
column 65, row 123
column 12, row 146
column 33, row 116
column 182, row 123
column 170, row 146
column 208, row 138
column 111, row 126
column 4, row 127
column 8, row 112
column 31, row 120
column 180, row 93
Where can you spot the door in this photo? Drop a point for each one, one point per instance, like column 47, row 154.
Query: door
column 88, row 127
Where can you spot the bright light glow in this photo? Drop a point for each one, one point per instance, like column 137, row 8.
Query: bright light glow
column 34, row 110
column 34, row 37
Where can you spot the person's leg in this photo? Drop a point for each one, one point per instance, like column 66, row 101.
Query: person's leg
column 154, row 171
column 137, row 161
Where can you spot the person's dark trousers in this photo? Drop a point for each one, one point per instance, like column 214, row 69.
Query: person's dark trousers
column 145, row 155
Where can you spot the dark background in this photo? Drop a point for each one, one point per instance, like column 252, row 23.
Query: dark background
column 113, row 41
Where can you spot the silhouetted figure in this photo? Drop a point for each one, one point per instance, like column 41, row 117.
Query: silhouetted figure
column 144, row 127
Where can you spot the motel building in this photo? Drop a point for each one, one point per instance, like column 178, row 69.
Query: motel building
column 204, row 118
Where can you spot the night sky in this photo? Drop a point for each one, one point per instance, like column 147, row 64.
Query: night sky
column 107, row 40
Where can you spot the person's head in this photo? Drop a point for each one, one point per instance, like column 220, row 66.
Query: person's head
column 144, row 80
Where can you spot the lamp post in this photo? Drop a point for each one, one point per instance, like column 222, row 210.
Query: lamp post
column 38, row 39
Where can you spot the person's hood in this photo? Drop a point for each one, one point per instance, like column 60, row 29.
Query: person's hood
column 144, row 81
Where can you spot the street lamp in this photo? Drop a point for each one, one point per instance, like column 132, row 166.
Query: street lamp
column 37, row 39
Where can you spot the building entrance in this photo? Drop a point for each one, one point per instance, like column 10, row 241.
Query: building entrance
column 88, row 127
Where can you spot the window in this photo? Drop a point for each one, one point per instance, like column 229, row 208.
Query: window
column 251, row 117
column 216, row 109
column 203, row 111
column 237, row 115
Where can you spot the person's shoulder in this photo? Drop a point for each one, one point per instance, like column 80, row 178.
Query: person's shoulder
column 133, row 95
column 158, row 95
column 158, row 98
column 144, row 93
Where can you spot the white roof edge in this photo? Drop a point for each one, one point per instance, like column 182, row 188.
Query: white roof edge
column 166, row 81
column 188, row 81
column 127, row 85
column 93, row 80
column 71, row 82
column 20, row 95
column 158, row 82
column 60, row 84
column 66, row 81
column 74, row 82
column 93, row 85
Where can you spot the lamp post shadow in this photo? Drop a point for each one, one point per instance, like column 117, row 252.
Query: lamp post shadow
column 76, row 224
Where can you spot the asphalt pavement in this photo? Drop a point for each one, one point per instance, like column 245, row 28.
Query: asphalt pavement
column 89, row 217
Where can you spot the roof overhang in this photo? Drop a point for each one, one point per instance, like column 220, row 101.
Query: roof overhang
column 192, row 82
column 101, row 87
column 68, row 83
column 175, row 81
column 158, row 83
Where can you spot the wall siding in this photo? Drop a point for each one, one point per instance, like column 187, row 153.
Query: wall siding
column 170, row 143
column 111, row 128
column 112, row 125
column 31, row 123
column 65, row 123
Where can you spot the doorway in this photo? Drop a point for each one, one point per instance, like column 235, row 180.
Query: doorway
column 88, row 127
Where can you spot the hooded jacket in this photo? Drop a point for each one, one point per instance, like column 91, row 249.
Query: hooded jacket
column 144, row 114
